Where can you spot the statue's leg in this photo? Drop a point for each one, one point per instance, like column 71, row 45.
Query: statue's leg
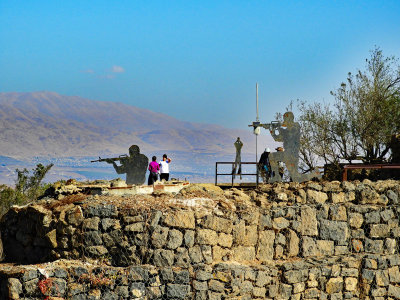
column 273, row 160
column 234, row 168
column 292, row 166
column 292, row 170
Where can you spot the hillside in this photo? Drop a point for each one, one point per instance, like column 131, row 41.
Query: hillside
column 49, row 124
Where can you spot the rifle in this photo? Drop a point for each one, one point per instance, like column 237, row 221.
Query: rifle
column 271, row 126
column 113, row 158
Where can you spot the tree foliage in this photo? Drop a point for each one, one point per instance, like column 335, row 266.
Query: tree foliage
column 362, row 120
column 28, row 187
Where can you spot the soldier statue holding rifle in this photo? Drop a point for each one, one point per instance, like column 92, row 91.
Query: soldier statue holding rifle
column 134, row 165
column 287, row 132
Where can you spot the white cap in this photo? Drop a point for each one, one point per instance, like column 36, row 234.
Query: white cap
column 267, row 150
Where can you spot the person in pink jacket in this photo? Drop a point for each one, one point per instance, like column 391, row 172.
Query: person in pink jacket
column 154, row 167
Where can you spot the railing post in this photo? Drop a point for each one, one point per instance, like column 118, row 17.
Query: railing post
column 344, row 177
column 257, row 175
column 233, row 173
column 216, row 172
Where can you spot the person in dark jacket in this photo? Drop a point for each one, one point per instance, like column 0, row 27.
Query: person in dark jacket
column 264, row 165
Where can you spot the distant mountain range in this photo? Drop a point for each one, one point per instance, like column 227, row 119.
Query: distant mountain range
column 49, row 124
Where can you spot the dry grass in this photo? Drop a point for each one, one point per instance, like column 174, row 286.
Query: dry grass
column 65, row 201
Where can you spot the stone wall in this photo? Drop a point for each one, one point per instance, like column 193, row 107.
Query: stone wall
column 286, row 241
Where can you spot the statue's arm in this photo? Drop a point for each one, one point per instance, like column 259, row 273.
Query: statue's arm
column 277, row 137
column 119, row 169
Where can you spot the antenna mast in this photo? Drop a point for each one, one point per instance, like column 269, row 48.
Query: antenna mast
column 257, row 120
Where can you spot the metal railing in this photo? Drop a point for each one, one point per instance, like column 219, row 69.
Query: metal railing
column 367, row 166
column 233, row 175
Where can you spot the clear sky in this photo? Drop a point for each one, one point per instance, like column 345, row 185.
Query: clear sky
column 194, row 60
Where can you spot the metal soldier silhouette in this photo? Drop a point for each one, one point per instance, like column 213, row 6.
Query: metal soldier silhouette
column 134, row 165
column 290, row 136
column 238, row 160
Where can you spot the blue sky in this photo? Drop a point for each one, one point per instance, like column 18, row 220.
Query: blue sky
column 194, row 60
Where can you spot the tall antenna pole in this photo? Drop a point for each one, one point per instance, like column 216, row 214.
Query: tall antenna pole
column 257, row 121
column 257, row 101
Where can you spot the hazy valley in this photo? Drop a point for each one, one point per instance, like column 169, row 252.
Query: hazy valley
column 70, row 131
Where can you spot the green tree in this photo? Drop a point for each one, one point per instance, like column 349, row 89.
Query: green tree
column 27, row 188
column 362, row 120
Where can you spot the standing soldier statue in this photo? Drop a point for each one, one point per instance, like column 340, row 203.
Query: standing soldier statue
column 287, row 132
column 237, row 167
column 134, row 165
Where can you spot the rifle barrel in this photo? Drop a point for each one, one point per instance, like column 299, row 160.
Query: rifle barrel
column 112, row 158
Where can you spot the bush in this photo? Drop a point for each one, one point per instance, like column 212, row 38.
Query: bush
column 27, row 188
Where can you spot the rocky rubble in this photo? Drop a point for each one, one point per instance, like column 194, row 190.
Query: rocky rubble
column 327, row 240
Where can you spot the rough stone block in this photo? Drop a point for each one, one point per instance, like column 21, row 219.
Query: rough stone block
column 75, row 216
column 251, row 236
column 92, row 238
column 372, row 217
column 293, row 243
column 316, row 197
column 309, row 247
column 263, row 278
column 220, row 254
column 382, row 278
column 285, row 291
column 338, row 197
column 206, row 251
column 334, row 285
column 218, row 224
column 333, row 230
column 394, row 274
column 338, row 213
column 280, row 223
column 163, row 258
column 216, row 285
column 295, row 276
column 175, row 238
column 265, row 222
column 309, row 225
column 222, row 276
column 189, row 238
column 135, row 227
column 242, row 253
column 379, row 230
column 195, row 254
column 239, row 233
column 314, row 186
column 259, row 292
column 203, row 275
column 341, row 250
column 357, row 245
column 312, row 293
column 394, row 291
column 14, row 287
column 390, row 246
column 299, row 287
column 356, row 220
column 265, row 249
column 182, row 258
column 206, row 237
column 325, row 247
column 373, row 246
column 180, row 219
column 177, row 291
column 349, row 272
column 379, row 292
column 96, row 251
column 91, row 224
column 225, row 240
